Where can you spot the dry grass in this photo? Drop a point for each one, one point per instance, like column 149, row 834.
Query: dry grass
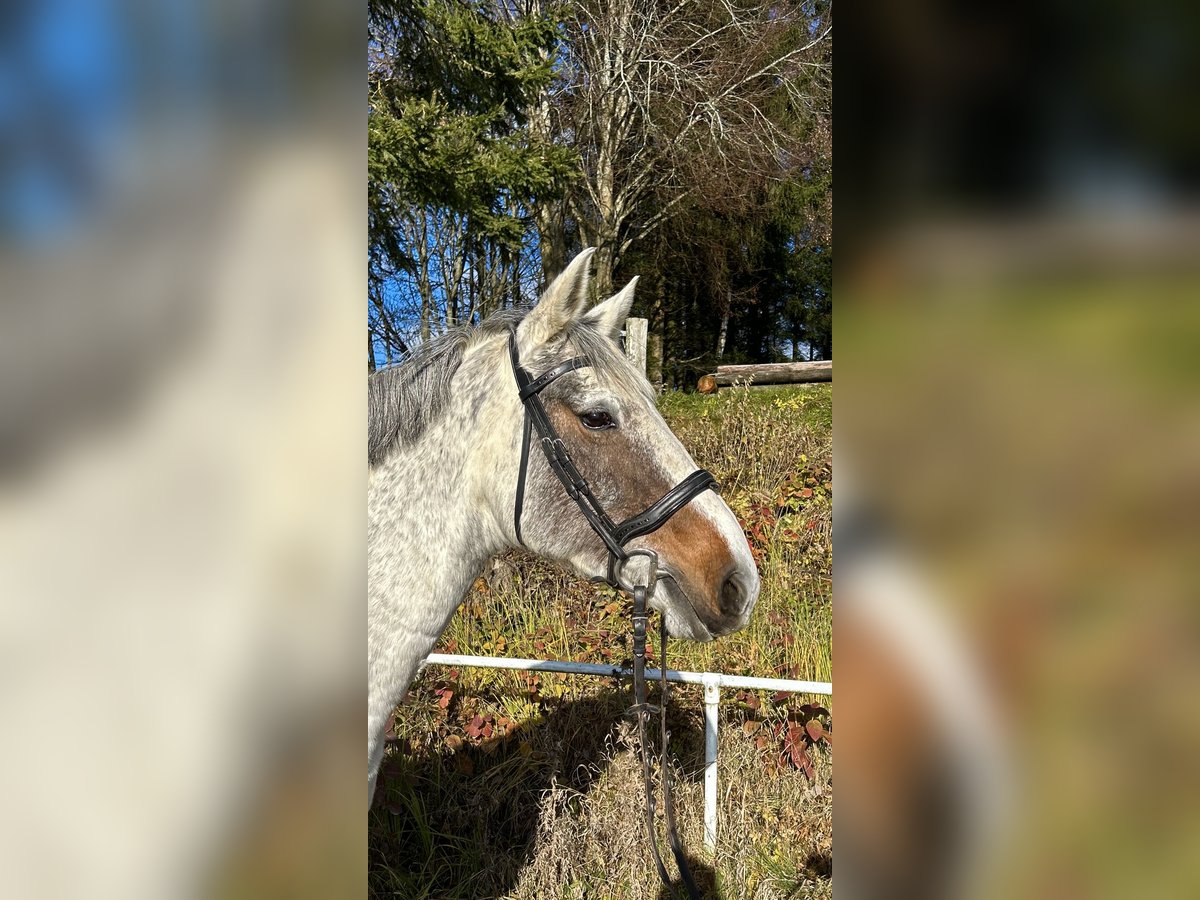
column 521, row 785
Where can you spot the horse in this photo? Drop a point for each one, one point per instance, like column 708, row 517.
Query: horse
column 451, row 482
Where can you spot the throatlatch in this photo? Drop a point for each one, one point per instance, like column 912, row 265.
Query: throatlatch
column 615, row 537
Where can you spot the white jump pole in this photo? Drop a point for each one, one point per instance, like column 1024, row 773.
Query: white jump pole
column 576, row 668
column 712, row 701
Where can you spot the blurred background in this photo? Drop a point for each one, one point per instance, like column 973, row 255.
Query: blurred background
column 181, row 442
column 1017, row 433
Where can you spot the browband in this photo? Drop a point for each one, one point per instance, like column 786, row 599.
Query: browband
column 614, row 536
column 535, row 386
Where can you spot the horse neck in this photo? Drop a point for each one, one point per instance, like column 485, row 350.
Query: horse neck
column 428, row 536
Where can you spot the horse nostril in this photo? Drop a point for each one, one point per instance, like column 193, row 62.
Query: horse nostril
column 733, row 595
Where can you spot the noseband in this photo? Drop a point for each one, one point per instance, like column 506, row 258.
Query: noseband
column 615, row 537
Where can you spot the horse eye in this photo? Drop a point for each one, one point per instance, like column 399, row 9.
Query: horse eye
column 597, row 419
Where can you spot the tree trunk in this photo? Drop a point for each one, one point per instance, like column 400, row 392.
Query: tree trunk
column 553, row 241
column 548, row 215
column 721, row 336
column 771, row 373
column 391, row 338
column 515, row 299
column 672, row 328
column 654, row 344
column 604, row 263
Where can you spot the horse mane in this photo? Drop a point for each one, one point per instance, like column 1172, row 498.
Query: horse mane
column 405, row 399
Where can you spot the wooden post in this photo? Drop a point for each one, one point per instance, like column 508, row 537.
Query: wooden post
column 635, row 343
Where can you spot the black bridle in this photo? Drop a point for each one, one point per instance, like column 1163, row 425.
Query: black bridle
column 615, row 537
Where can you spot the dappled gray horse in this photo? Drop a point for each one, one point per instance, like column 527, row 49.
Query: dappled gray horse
column 444, row 455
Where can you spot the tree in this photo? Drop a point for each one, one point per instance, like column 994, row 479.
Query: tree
column 689, row 142
column 451, row 164
column 664, row 99
column 746, row 275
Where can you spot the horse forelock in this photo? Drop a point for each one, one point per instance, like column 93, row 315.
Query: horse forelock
column 404, row 400
column 608, row 363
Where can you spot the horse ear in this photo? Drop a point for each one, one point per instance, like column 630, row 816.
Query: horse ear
column 610, row 315
column 560, row 305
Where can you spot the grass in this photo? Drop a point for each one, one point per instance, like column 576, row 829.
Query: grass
column 522, row 785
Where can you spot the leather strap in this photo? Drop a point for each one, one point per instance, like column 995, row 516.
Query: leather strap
column 535, row 386
column 528, row 426
column 685, row 871
column 653, row 518
column 643, row 708
column 640, row 616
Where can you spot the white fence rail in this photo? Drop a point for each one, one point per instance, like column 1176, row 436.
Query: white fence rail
column 713, row 683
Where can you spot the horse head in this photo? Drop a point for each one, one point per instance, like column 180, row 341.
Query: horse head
column 605, row 415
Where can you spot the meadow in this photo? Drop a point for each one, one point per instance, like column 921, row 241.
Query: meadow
column 519, row 785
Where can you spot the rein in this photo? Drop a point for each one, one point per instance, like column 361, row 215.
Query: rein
column 615, row 537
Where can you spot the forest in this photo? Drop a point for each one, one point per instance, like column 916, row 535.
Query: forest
column 689, row 142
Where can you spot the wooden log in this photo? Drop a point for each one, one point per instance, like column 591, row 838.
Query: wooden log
column 635, row 343
column 768, row 373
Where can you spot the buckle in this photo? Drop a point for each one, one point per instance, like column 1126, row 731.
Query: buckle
column 639, row 636
column 652, row 578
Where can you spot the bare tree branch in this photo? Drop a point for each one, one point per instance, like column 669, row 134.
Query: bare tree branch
column 664, row 100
